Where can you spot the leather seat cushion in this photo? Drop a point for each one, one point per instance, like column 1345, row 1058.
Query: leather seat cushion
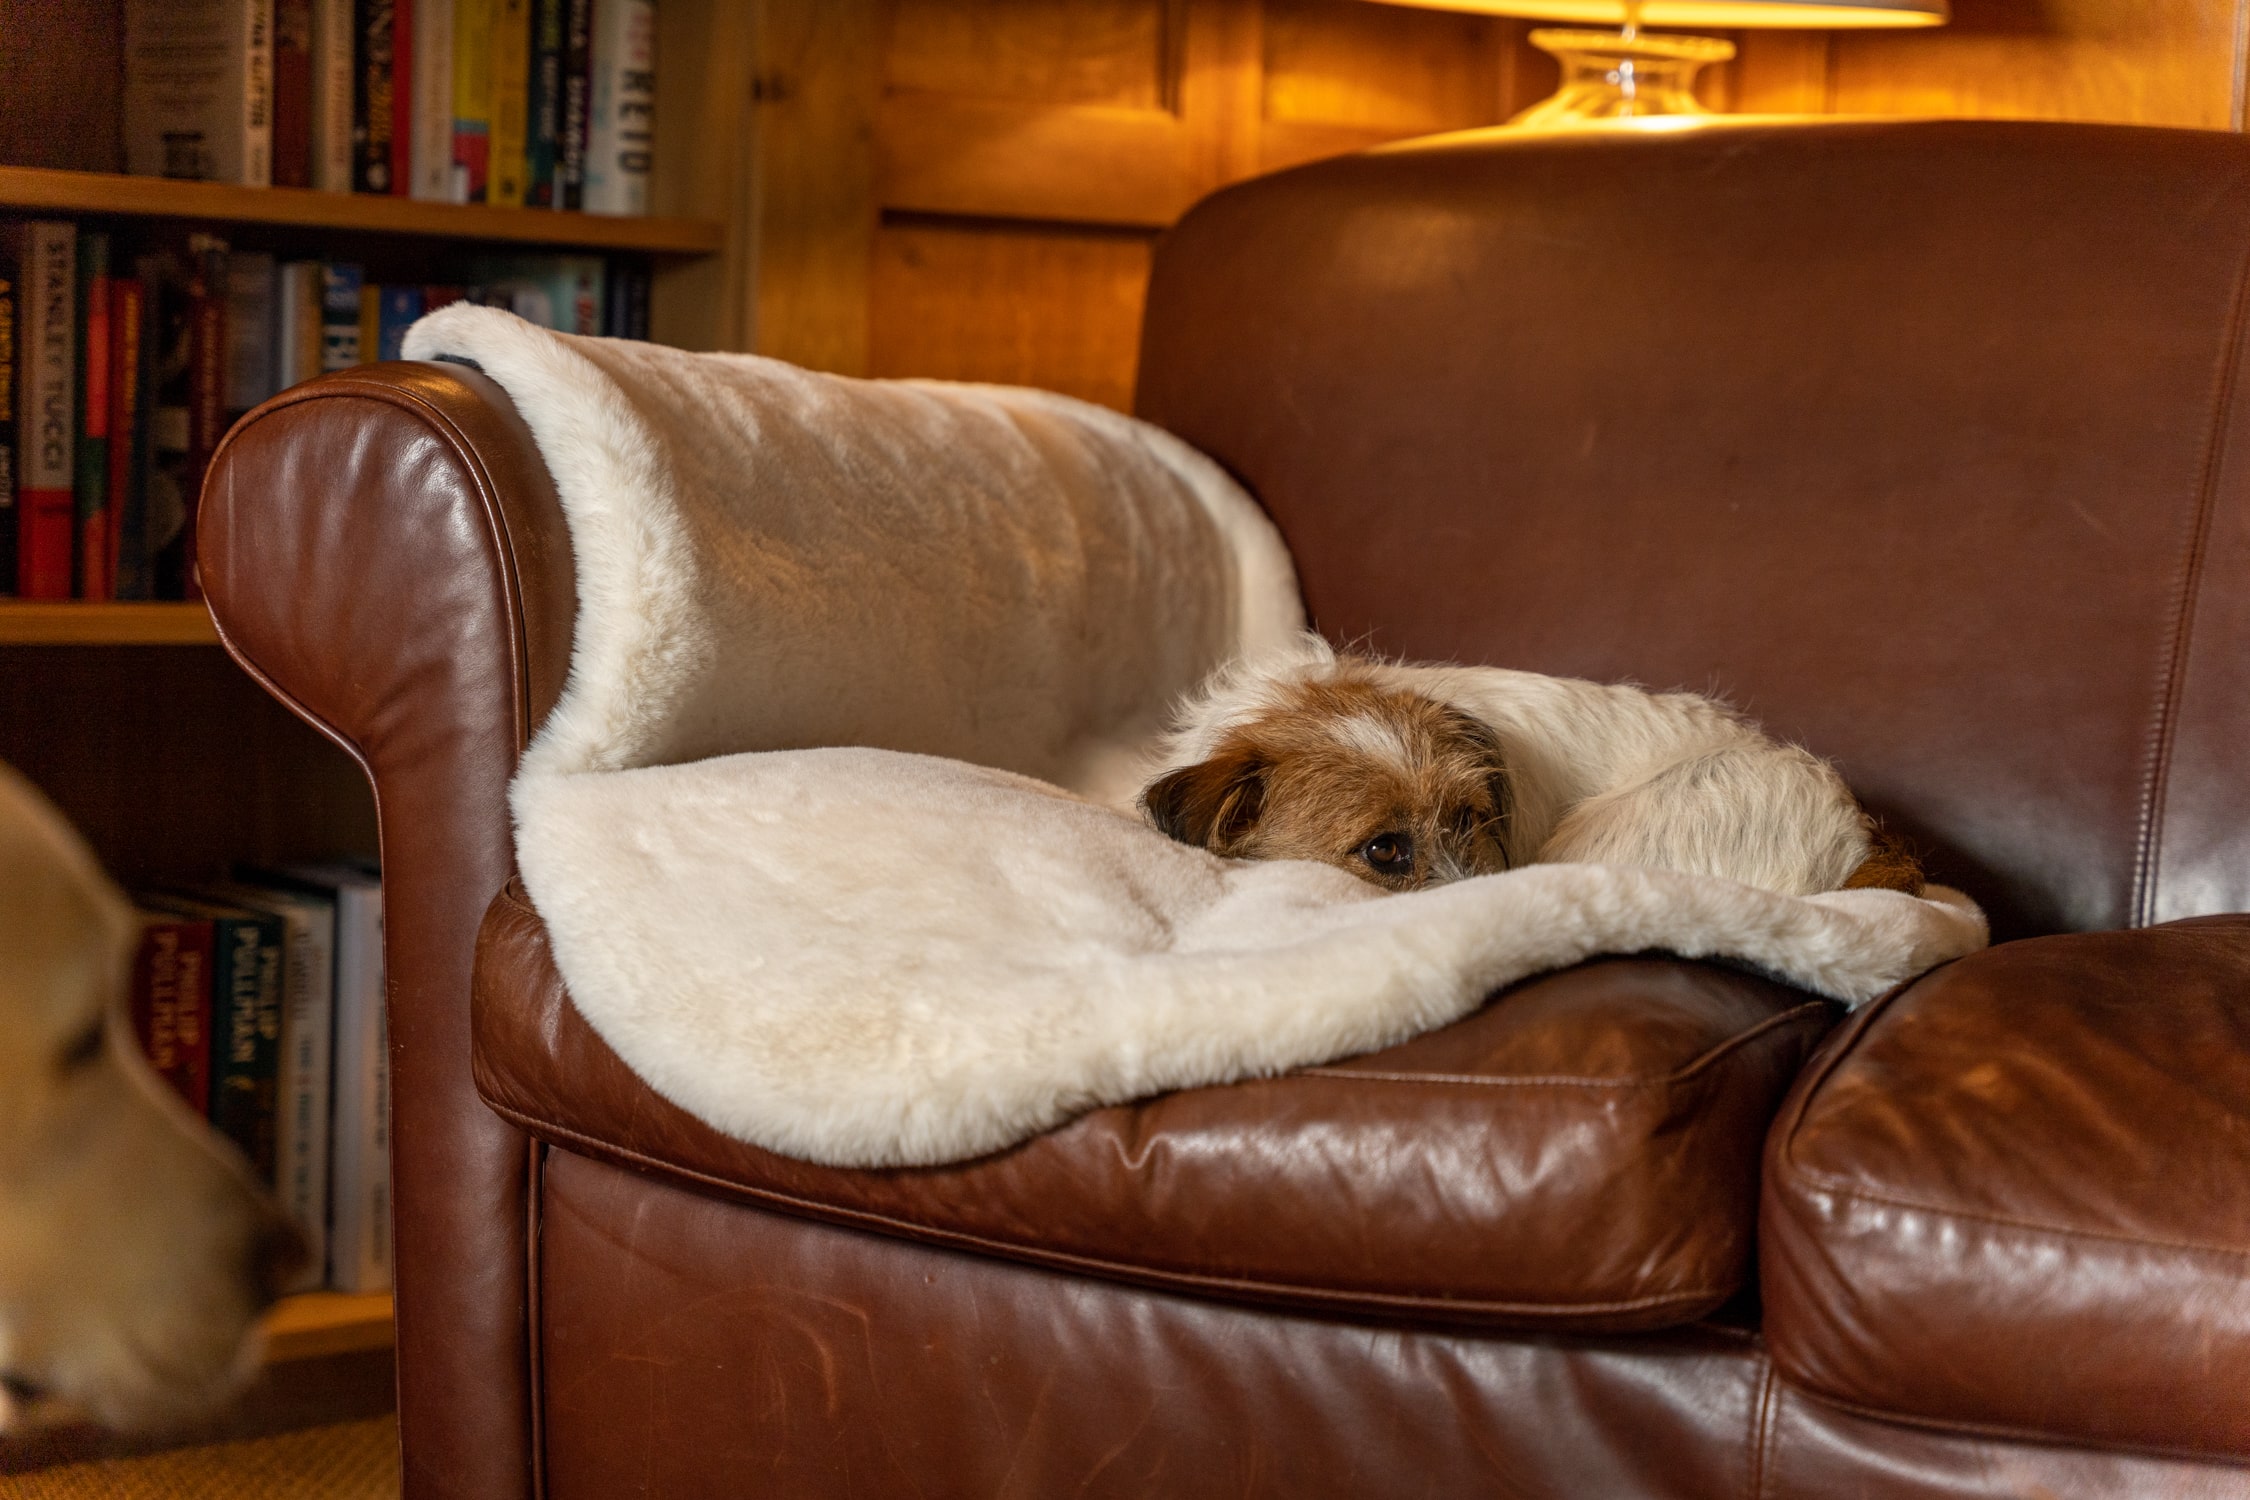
column 1581, row 1153
column 2016, row 1197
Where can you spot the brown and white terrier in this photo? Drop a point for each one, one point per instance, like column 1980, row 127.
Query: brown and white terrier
column 1409, row 776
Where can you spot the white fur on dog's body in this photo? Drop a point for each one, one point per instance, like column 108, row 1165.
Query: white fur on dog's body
column 126, row 1232
column 1599, row 774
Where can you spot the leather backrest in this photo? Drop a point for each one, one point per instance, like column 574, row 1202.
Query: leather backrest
column 1923, row 442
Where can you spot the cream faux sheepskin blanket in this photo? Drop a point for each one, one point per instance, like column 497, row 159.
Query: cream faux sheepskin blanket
column 954, row 936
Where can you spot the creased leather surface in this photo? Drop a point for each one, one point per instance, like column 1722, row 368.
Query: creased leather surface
column 383, row 549
column 1906, row 436
column 1582, row 1153
column 2018, row 1196
column 694, row 1348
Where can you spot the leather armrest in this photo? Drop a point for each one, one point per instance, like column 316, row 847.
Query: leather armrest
column 2015, row 1197
column 384, row 551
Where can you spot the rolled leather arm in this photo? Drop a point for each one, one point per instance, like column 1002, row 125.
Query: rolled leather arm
column 2016, row 1197
column 384, row 550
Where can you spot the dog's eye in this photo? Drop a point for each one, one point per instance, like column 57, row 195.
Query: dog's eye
column 83, row 1049
column 1390, row 853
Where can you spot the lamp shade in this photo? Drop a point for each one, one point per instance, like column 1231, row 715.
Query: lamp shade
column 1721, row 13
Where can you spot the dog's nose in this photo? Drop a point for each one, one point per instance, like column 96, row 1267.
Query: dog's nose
column 277, row 1253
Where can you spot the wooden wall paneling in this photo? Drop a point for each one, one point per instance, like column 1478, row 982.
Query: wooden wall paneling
column 1342, row 75
column 812, row 177
column 1095, row 52
column 1055, row 306
column 2151, row 62
column 1780, row 73
column 174, row 763
column 705, row 57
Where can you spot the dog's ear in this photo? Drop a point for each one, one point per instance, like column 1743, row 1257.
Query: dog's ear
column 1482, row 742
column 1213, row 804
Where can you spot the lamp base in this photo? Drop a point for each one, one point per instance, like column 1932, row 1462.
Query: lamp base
column 1620, row 75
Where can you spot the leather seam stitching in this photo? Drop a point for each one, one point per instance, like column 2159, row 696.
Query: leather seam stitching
column 2163, row 733
column 958, row 1239
column 2014, row 1433
column 1809, row 1177
column 1682, row 1074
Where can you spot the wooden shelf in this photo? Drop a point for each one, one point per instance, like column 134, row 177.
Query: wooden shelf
column 27, row 623
column 312, row 1325
column 36, row 188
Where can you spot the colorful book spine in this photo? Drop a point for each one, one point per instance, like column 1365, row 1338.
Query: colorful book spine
column 10, row 454
column 128, row 447
column 48, row 405
column 399, row 307
column 199, row 89
column 94, row 516
column 372, row 105
column 432, row 179
column 303, row 1092
column 167, row 342
column 297, row 351
column 472, row 99
column 543, row 120
column 252, row 281
column 207, row 384
column 292, row 93
column 621, row 138
column 577, row 102
column 246, row 969
column 333, row 85
column 402, row 96
column 171, row 1003
column 511, row 102
column 339, row 316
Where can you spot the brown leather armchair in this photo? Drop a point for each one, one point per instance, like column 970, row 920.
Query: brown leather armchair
column 1929, row 444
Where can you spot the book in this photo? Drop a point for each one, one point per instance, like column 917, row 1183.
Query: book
column 292, row 93
column 246, row 980
column 472, row 99
column 434, row 29
column 511, row 98
column 561, row 292
column 359, row 1213
column 339, row 316
column 625, row 290
column 91, row 515
column 577, row 102
column 252, row 285
column 543, row 105
column 621, row 136
column 47, row 407
column 171, row 1003
column 168, row 342
column 372, row 105
column 335, row 39
column 10, row 465
column 199, row 90
column 402, row 96
column 370, row 321
column 128, row 444
column 207, row 384
column 297, row 323
column 399, row 307
column 303, row 1091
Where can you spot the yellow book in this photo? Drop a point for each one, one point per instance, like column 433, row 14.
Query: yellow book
column 370, row 323
column 511, row 100
column 472, row 100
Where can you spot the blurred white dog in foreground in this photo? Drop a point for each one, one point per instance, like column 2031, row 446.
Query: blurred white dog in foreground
column 135, row 1251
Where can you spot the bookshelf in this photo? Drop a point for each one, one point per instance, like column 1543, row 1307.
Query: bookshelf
column 32, row 623
column 315, row 1325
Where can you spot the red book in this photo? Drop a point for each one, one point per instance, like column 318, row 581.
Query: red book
column 172, row 1004
column 97, row 513
column 124, row 398
column 292, row 93
column 207, row 378
column 402, row 97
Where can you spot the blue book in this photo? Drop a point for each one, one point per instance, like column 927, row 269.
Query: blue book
column 398, row 310
column 339, row 316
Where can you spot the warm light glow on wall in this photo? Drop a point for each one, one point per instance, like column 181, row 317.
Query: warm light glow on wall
column 1811, row 14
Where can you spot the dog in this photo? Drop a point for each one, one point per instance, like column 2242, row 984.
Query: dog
column 136, row 1252
column 1408, row 776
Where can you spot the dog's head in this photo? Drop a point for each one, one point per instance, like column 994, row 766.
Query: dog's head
column 135, row 1252
column 1397, row 788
